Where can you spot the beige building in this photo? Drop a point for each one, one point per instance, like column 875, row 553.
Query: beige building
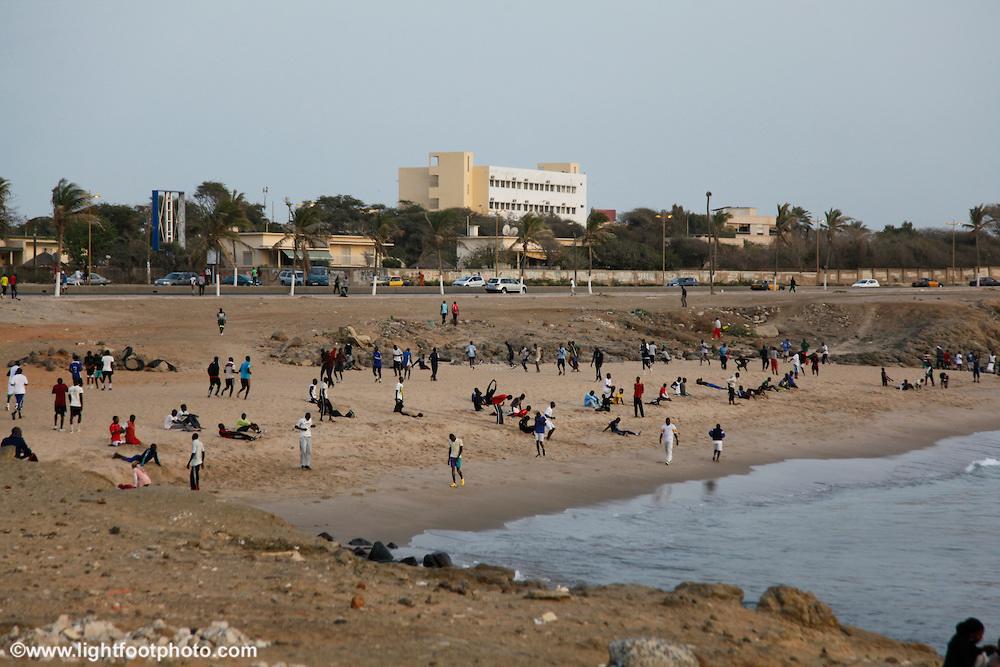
column 750, row 226
column 453, row 180
column 272, row 249
column 18, row 250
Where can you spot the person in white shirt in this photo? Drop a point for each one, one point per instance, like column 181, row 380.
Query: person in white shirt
column 314, row 392
column 399, row 397
column 304, row 426
column 668, row 437
column 11, row 372
column 455, row 448
column 397, row 361
column 550, row 424
column 572, row 287
column 107, row 370
column 229, row 373
column 18, row 387
column 651, row 351
column 609, row 386
column 470, row 352
column 75, row 396
column 196, row 462
column 796, row 365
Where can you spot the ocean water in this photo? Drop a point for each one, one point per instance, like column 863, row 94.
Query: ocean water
column 905, row 545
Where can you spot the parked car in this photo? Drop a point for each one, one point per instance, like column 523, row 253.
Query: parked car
column 866, row 282
column 985, row 281
column 684, row 281
column 766, row 285
column 318, row 275
column 176, row 278
column 470, row 281
column 926, row 282
column 505, row 286
column 285, row 277
column 78, row 279
column 396, row 281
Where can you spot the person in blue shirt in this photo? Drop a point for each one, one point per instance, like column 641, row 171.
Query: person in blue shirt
column 786, row 347
column 244, row 378
column 76, row 370
column 591, row 400
column 142, row 459
column 444, row 312
column 539, row 434
column 561, row 360
column 723, row 355
column 407, row 364
column 717, row 435
column 377, row 364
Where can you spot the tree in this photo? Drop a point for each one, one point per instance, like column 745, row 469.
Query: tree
column 5, row 224
column 595, row 233
column 222, row 217
column 440, row 233
column 380, row 233
column 783, row 222
column 69, row 204
column 305, row 229
column 833, row 223
column 979, row 218
column 531, row 229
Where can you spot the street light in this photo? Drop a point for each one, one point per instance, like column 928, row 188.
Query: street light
column 711, row 257
column 90, row 235
column 953, row 224
column 663, row 216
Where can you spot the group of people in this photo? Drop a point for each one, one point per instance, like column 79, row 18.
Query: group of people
column 229, row 373
column 8, row 283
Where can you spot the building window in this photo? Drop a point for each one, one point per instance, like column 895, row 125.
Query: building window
column 435, row 181
column 247, row 257
column 743, row 229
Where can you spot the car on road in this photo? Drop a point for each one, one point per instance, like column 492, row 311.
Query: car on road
column 469, row 281
column 866, row 282
column 176, row 278
column 926, row 282
column 683, row 281
column 985, row 281
column 765, row 286
column 285, row 277
column 78, row 279
column 319, row 276
column 505, row 286
column 396, row 281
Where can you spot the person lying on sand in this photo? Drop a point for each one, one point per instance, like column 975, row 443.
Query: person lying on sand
column 139, row 478
column 235, row 435
column 614, row 427
column 702, row 383
column 142, row 459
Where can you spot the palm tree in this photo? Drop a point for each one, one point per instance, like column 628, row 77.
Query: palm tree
column 4, row 197
column 440, row 232
column 220, row 223
column 783, row 223
column 530, row 229
column 69, row 204
column 305, row 229
column 978, row 219
column 833, row 223
column 381, row 232
column 594, row 233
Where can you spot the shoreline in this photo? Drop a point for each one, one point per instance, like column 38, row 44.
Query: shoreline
column 401, row 505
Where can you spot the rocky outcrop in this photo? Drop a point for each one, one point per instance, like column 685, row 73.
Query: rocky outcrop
column 380, row 553
column 798, row 606
column 437, row 559
column 721, row 592
column 649, row 652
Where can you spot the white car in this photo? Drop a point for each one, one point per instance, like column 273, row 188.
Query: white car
column 470, row 281
column 78, row 279
column 505, row 286
column 866, row 282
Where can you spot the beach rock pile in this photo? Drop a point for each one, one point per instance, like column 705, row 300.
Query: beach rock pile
column 379, row 552
column 798, row 606
column 649, row 652
column 66, row 631
column 49, row 359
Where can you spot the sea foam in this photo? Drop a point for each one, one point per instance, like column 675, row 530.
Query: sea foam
column 984, row 463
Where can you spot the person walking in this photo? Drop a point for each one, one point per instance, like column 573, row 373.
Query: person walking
column 196, row 462
column 597, row 360
column 539, row 434
column 717, row 435
column 510, row 353
column 304, row 426
column 220, row 319
column 244, row 378
column 791, row 286
column 538, row 358
column 107, row 370
column 684, row 297
column 637, row 390
column 435, row 359
column 668, row 438
column 454, row 313
column 76, row 371
column 561, row 360
column 377, row 364
column 525, row 355
column 444, row 312
column 230, row 374
column 455, row 449
column 17, row 388
column 201, row 284
column 75, row 396
column 717, row 329
column 59, row 390
column 572, row 287
column 470, row 352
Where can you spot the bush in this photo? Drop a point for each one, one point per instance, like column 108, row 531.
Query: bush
column 392, row 263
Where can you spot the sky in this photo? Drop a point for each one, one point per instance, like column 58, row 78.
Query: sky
column 886, row 109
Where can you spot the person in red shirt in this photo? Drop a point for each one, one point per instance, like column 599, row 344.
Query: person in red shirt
column 454, row 313
column 116, row 431
column 130, row 438
column 59, row 419
column 637, row 390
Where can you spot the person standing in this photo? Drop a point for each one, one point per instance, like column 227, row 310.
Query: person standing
column 597, row 360
column 220, row 319
column 455, row 449
column 75, row 396
column 444, row 312
column 76, row 370
column 763, row 357
column 304, row 426
column 538, row 358
column 470, row 352
column 338, row 365
column 510, row 353
column 703, row 355
column 572, row 287
column 684, row 297
column 399, row 396
column 201, row 284
column 717, row 329
column 550, row 420
column 561, row 360
column 213, row 377
column 407, row 363
column 637, row 390
column 668, row 437
column 196, row 462
column 107, row 370
column 18, row 388
column 824, row 350
column 377, row 364
column 244, row 378
column 230, row 374
column 454, row 313
column 397, row 361
column 435, row 359
column 59, row 418
column 717, row 435
column 13, row 286
column 539, row 434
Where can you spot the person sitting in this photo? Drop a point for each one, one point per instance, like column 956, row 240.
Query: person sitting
column 142, row 459
column 666, row 355
column 525, row 424
column 117, row 432
column 314, row 392
column 16, row 442
column 683, row 387
column 189, row 418
column 743, row 394
column 130, row 437
column 605, row 404
column 420, row 362
column 246, row 426
column 515, row 405
column 664, row 395
column 614, row 427
column 676, row 386
column 139, row 478
column 235, row 435
column 591, row 400
column 477, row 400
column 619, row 397
column 336, row 412
column 173, row 422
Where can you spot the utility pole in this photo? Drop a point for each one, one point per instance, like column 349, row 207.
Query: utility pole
column 496, row 245
column 953, row 224
column 663, row 216
column 817, row 253
column 266, row 221
column 711, row 257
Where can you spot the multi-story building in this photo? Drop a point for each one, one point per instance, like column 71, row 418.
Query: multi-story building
column 750, row 226
column 451, row 180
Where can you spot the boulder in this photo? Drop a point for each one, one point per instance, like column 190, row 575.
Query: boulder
column 767, row 331
column 437, row 559
column 325, row 536
column 649, row 652
column 797, row 606
column 380, row 553
column 360, row 551
column 359, row 542
column 279, row 336
column 410, row 560
column 721, row 592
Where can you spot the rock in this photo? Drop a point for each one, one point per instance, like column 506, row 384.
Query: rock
column 648, row 652
column 325, row 536
column 798, row 606
column 357, row 602
column 724, row 592
column 545, row 594
column 279, row 336
column 380, row 553
column 767, row 331
column 392, row 545
column 114, row 530
column 547, row 617
column 359, row 542
column 410, row 560
column 294, row 342
column 437, row 559
column 407, row 602
column 360, row 551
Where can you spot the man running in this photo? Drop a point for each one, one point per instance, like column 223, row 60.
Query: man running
column 220, row 319
column 455, row 449
column 668, row 437
column 510, row 353
column 539, row 434
column 538, row 358
column 230, row 374
column 454, row 313
column 244, row 378
column 717, row 435
column 75, row 396
column 213, row 377
column 304, row 426
column 196, row 461
column 59, row 390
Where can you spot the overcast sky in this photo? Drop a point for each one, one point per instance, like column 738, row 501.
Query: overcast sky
column 887, row 109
